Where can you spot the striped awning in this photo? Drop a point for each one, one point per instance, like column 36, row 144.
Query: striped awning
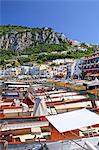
column 94, row 75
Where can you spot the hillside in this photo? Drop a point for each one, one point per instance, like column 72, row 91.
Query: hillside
column 19, row 38
column 40, row 44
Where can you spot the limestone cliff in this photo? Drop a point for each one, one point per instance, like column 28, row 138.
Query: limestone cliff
column 19, row 38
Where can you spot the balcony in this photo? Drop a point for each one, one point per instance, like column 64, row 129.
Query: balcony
column 91, row 70
column 94, row 56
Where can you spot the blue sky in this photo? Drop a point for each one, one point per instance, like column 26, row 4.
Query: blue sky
column 77, row 19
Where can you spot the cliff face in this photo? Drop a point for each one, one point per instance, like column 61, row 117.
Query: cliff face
column 19, row 40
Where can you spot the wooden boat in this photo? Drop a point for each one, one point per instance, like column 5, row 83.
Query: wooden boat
column 77, row 129
column 20, row 130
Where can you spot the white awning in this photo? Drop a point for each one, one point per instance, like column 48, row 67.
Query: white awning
column 20, row 86
column 92, row 83
column 13, row 82
column 73, row 120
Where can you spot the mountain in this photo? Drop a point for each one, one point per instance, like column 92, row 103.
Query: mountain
column 38, row 44
column 19, row 38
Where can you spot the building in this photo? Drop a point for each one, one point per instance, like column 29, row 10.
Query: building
column 85, row 67
column 74, row 70
column 91, row 64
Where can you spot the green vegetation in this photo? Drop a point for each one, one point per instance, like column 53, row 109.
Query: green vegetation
column 40, row 53
column 45, row 48
column 79, row 53
column 6, row 55
column 10, row 28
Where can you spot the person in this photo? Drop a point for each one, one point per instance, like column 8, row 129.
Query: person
column 63, row 99
column 25, row 94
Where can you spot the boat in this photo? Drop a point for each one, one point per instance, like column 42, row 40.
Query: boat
column 77, row 129
column 25, row 119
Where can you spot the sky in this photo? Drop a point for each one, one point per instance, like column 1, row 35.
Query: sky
column 77, row 19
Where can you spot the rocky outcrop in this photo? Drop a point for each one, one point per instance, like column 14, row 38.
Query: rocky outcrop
column 15, row 40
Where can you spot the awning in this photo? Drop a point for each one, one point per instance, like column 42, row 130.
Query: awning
column 92, row 83
column 88, row 74
column 95, row 75
column 73, row 120
column 18, row 86
column 92, row 75
column 13, row 82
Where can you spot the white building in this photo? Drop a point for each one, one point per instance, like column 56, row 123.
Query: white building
column 74, row 70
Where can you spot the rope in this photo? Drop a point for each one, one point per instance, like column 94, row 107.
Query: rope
column 74, row 142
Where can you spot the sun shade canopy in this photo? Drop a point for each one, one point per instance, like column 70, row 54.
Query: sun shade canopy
column 73, row 120
column 19, row 86
column 92, row 83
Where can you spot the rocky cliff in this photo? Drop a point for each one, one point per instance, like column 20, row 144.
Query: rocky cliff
column 19, row 38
